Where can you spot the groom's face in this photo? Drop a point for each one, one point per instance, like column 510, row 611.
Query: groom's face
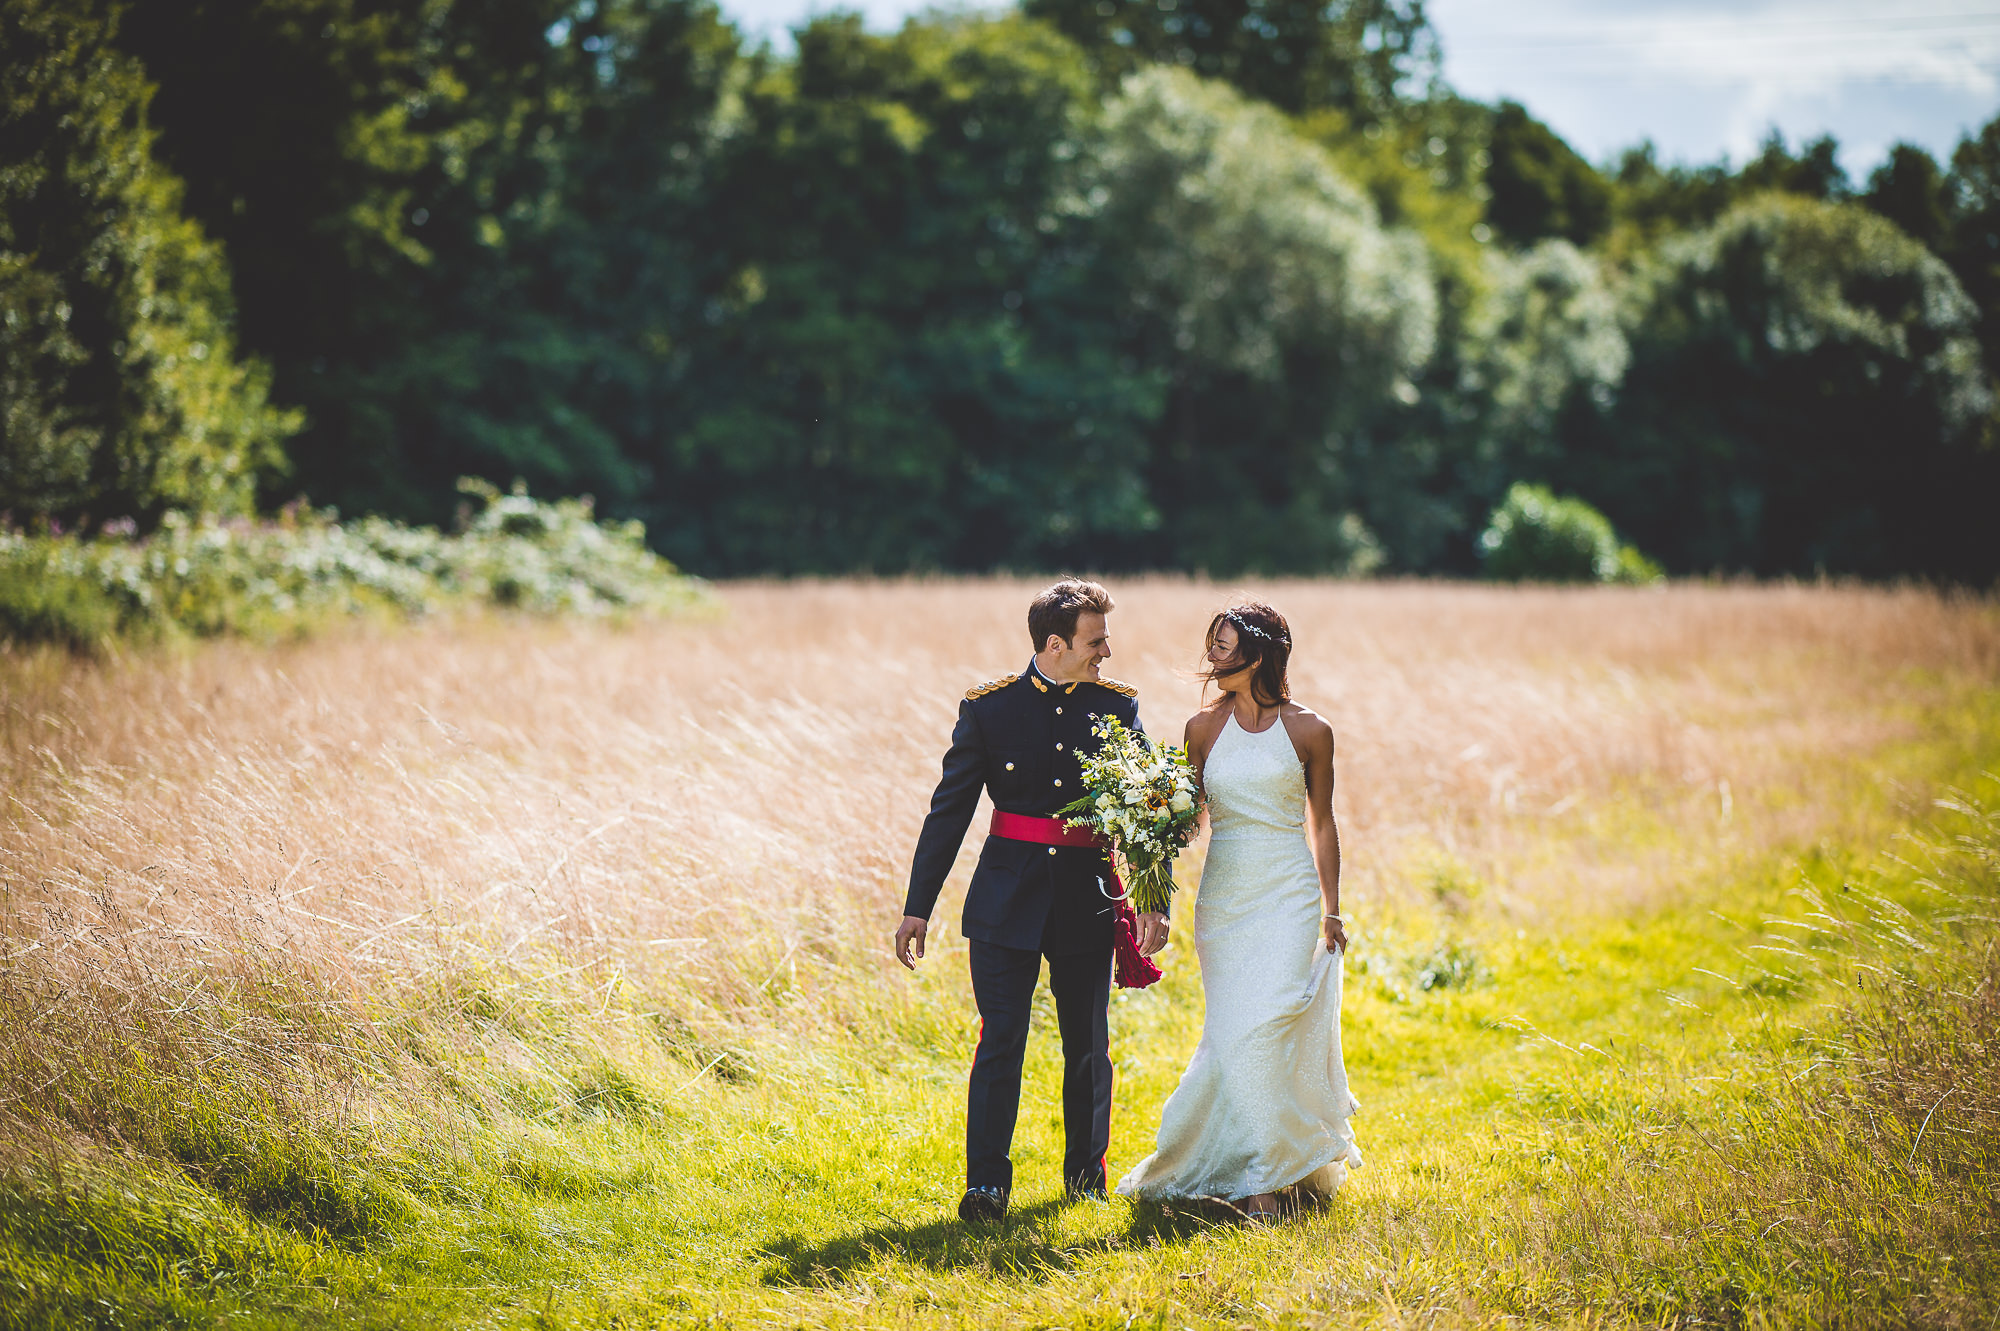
column 1090, row 647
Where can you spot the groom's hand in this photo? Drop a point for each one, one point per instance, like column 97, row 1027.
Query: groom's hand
column 1152, row 933
column 911, row 930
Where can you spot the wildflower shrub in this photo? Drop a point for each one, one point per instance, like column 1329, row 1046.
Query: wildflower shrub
column 1403, row 969
column 210, row 576
column 1533, row 536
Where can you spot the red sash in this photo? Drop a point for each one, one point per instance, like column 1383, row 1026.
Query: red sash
column 1041, row 831
column 1134, row 970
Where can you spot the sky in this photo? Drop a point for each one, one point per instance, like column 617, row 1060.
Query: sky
column 1703, row 79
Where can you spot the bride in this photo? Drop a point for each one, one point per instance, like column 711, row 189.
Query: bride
column 1263, row 1105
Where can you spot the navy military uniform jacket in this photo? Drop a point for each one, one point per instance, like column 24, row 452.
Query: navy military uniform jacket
column 1018, row 738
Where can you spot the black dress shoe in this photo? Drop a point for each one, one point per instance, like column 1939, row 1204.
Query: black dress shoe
column 1084, row 1188
column 983, row 1206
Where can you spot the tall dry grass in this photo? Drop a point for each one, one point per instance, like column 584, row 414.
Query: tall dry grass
column 293, row 871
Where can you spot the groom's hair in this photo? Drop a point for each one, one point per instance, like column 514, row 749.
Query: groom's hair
column 1056, row 609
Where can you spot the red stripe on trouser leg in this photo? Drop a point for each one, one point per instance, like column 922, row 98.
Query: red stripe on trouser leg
column 1109, row 1114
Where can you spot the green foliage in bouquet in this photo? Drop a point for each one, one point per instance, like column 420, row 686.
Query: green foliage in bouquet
column 269, row 579
column 1140, row 797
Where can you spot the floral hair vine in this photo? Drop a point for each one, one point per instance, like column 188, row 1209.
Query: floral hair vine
column 1257, row 631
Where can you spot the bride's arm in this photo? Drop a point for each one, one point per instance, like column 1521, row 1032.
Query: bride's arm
column 1321, row 831
column 1153, row 926
column 1195, row 744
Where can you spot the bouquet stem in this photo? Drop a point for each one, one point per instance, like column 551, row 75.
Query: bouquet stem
column 1151, row 886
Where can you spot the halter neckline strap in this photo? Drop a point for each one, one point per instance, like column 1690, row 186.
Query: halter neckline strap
column 1276, row 722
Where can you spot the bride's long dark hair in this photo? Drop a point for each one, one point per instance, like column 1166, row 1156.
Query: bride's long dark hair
column 1264, row 640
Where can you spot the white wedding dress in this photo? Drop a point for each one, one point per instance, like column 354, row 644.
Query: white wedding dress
column 1264, row 1102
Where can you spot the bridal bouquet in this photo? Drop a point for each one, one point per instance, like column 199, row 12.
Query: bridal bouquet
column 1139, row 796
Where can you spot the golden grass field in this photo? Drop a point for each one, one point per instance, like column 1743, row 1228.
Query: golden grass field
column 341, row 945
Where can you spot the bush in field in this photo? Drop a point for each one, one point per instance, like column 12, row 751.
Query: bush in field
column 1536, row 537
column 265, row 579
column 120, row 390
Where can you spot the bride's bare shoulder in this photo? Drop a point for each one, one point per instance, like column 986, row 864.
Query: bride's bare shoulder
column 1206, row 723
column 1304, row 723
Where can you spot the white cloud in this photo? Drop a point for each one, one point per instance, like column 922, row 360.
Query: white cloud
column 1703, row 79
column 774, row 19
column 1784, row 45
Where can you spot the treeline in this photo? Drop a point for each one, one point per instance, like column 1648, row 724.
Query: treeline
column 1220, row 284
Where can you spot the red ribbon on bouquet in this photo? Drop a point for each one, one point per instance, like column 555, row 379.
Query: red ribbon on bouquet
column 1134, row 970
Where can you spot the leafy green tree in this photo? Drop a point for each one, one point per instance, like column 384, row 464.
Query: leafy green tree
column 906, row 358
column 1650, row 201
column 417, row 217
column 1287, row 321
column 1911, row 190
column 1428, row 476
column 1179, row 283
column 1541, row 356
column 1361, row 57
column 1425, row 172
column 1814, row 172
column 1540, row 187
column 1972, row 245
column 1532, row 358
column 1549, row 331
column 596, row 248
column 300, row 127
column 1805, row 394
column 120, row 390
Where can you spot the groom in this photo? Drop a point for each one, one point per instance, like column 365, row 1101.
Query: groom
column 1040, row 889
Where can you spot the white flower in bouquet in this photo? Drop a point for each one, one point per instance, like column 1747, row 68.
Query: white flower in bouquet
column 1140, row 798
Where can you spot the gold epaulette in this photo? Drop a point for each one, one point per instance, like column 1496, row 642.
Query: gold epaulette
column 990, row 686
column 1117, row 686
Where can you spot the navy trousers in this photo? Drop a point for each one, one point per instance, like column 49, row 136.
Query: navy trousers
column 1003, row 985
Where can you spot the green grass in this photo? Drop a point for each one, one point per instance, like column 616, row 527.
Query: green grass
column 1769, row 1103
